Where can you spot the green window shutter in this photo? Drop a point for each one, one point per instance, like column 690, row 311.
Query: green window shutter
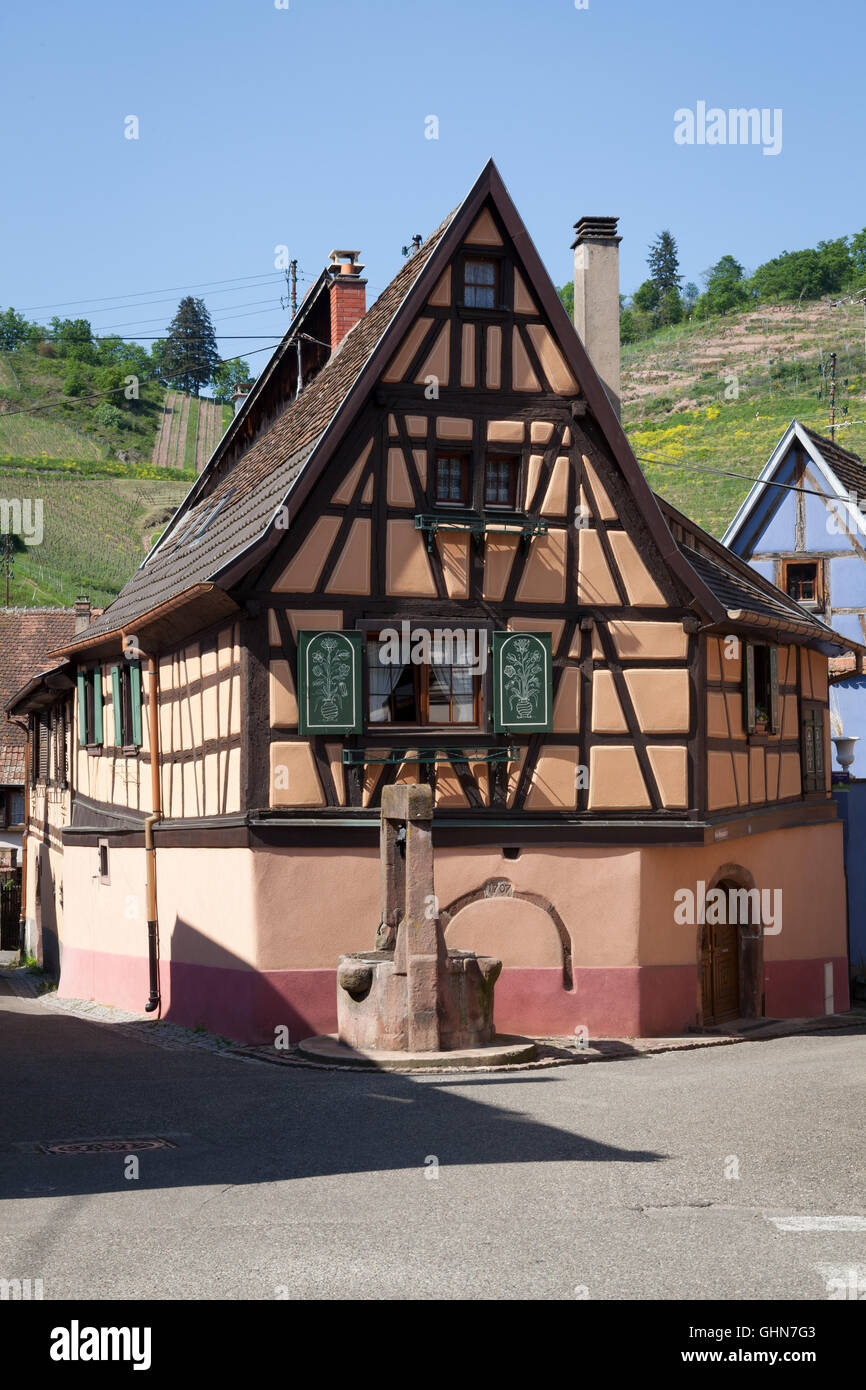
column 97, row 704
column 82, row 709
column 117, row 706
column 135, row 700
column 775, row 703
column 330, row 689
column 749, row 687
column 522, row 682
column 820, row 780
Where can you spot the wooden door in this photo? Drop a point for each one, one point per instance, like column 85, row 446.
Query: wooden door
column 720, row 976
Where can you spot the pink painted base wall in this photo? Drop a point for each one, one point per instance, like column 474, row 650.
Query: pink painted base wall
column 248, row 1005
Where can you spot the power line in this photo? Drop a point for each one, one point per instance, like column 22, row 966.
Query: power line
column 135, row 294
column 729, row 473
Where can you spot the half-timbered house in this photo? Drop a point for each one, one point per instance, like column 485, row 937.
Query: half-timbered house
column 424, row 550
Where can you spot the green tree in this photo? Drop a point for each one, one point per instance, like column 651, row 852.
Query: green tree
column 74, row 338
column 646, row 297
column 566, row 294
column 190, row 356
column 858, row 252
column 671, row 306
column 690, row 296
column 14, row 330
column 726, row 289
column 228, row 375
column 664, row 264
column 628, row 332
column 75, row 382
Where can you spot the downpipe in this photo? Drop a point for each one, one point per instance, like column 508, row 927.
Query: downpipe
column 153, row 1001
column 132, row 651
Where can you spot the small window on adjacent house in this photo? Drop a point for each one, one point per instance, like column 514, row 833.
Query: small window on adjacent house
column 801, row 583
column 452, row 480
column 500, row 482
column 479, row 284
column 90, row 707
column 16, row 808
column 761, row 689
column 43, row 734
column 126, row 700
column 103, row 861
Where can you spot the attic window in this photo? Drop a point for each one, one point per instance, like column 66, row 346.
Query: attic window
column 802, row 583
column 479, row 284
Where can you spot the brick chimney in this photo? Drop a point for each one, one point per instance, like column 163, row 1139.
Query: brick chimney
column 596, row 298
column 348, row 294
column 82, row 613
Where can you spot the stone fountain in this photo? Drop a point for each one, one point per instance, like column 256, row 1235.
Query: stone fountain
column 412, row 1002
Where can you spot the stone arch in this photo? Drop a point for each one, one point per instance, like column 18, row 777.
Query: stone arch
column 750, row 946
column 503, row 889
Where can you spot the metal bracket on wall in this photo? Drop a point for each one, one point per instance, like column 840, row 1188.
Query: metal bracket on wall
column 479, row 527
column 356, row 756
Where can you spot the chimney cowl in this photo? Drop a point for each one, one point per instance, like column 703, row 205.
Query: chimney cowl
column 596, row 229
column 344, row 263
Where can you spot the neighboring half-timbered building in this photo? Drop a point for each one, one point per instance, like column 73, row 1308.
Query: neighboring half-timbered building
column 438, row 560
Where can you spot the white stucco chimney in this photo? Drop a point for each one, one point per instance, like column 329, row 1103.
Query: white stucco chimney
column 596, row 297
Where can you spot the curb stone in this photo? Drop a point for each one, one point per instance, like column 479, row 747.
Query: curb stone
column 552, row 1051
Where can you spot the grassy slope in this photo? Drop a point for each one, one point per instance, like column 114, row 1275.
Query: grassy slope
column 96, row 532
column 674, row 405
column 103, row 498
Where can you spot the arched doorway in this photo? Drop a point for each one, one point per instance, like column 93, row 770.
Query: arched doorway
column 720, row 967
column 730, row 953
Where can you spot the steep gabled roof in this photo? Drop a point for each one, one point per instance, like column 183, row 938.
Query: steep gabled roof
column 746, row 596
column 843, row 473
column 225, row 526
column 26, row 634
column 243, row 498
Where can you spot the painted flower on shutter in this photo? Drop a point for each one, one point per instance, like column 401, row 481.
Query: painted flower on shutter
column 522, row 676
column 331, row 670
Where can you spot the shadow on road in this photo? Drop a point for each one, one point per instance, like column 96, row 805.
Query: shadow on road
column 240, row 1122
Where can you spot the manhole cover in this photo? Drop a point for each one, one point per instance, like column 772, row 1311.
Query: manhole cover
column 105, row 1146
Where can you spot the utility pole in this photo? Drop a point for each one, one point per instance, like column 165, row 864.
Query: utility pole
column 294, row 290
column 832, row 395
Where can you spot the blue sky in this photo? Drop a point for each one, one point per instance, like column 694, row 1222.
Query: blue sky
column 305, row 126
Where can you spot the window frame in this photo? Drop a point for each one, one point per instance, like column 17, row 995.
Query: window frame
column 770, row 684
column 470, row 258
column 515, row 464
column 798, row 562
column 466, row 463
column 91, row 729
column 385, row 730
column 126, row 692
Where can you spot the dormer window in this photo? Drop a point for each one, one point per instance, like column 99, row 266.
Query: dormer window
column 479, row 284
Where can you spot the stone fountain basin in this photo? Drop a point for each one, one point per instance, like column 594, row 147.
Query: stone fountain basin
column 372, row 1001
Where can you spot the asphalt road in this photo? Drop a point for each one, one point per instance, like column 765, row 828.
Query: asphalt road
column 602, row 1181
